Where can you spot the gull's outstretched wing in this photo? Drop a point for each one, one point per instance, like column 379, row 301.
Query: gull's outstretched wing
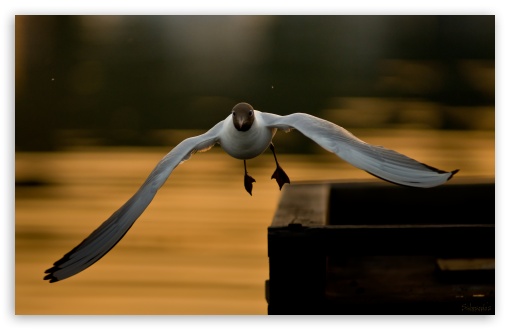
column 381, row 162
column 108, row 234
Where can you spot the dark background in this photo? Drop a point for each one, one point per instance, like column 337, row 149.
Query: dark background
column 124, row 80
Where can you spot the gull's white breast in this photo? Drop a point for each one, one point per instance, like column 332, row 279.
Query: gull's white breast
column 249, row 144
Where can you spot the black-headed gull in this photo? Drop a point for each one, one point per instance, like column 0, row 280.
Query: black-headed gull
column 245, row 134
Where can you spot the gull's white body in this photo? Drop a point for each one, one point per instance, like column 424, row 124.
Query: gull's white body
column 381, row 162
column 249, row 144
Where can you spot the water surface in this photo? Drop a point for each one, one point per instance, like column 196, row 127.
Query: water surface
column 200, row 247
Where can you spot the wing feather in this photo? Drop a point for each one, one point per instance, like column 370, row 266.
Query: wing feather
column 110, row 232
column 381, row 162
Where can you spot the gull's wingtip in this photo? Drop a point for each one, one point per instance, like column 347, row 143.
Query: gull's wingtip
column 452, row 173
column 51, row 278
column 417, row 184
column 50, row 274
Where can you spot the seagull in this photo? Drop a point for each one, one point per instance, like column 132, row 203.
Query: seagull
column 245, row 134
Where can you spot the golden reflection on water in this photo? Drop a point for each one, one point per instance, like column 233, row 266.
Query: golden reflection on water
column 200, row 247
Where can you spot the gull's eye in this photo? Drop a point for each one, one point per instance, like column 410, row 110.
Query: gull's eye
column 233, row 114
column 250, row 113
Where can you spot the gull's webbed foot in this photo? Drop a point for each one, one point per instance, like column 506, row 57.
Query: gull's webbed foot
column 280, row 176
column 248, row 180
column 248, row 183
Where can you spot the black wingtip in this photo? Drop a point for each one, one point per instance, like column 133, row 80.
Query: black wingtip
column 51, row 271
column 51, row 278
column 49, row 275
column 453, row 173
column 432, row 168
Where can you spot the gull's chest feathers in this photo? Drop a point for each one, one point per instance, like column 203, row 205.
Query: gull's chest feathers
column 245, row 145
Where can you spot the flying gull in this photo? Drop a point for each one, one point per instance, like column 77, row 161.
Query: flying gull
column 245, row 134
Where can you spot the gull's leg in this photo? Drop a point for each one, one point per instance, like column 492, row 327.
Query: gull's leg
column 279, row 174
column 248, row 180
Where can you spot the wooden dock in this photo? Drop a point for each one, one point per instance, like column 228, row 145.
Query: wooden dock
column 369, row 247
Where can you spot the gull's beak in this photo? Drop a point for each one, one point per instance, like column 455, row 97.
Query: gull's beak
column 241, row 124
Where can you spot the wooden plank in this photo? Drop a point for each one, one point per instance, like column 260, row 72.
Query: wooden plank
column 379, row 203
column 297, row 276
column 297, row 284
column 303, row 204
column 466, row 264
column 302, row 222
column 435, row 240
column 403, row 285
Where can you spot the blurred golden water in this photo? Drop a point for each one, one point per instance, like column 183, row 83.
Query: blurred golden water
column 200, row 247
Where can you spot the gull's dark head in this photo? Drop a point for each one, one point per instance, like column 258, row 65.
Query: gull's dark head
column 243, row 116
